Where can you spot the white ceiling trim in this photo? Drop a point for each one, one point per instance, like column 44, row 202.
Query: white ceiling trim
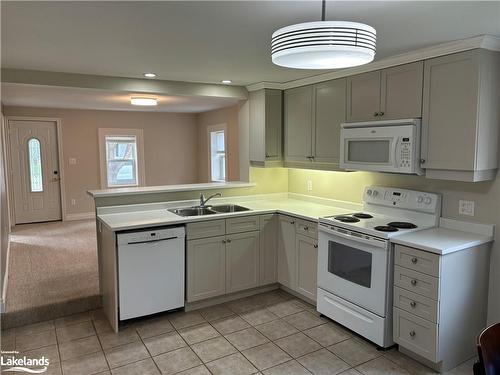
column 489, row 42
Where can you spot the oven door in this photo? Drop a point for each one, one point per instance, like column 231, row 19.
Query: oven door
column 354, row 267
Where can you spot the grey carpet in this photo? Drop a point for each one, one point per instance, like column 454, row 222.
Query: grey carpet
column 52, row 272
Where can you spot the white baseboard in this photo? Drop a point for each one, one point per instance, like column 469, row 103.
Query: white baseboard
column 80, row 216
column 5, row 277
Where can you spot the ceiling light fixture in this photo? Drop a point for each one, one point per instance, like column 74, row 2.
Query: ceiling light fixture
column 137, row 100
column 149, row 75
column 226, row 81
column 324, row 44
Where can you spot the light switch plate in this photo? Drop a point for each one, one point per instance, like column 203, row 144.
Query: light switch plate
column 72, row 161
column 466, row 207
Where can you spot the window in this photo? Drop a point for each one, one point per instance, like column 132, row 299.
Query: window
column 217, row 155
column 121, row 160
column 35, row 165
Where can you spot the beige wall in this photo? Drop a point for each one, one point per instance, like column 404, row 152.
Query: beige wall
column 171, row 153
column 228, row 116
column 4, row 212
column 349, row 186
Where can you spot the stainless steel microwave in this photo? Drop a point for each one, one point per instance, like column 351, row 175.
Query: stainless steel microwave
column 381, row 146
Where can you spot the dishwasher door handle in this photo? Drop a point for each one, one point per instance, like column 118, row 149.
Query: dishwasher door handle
column 156, row 240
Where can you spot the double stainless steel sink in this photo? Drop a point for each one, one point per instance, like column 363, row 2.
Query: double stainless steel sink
column 208, row 210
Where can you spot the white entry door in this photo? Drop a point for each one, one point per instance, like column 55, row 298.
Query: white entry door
column 35, row 171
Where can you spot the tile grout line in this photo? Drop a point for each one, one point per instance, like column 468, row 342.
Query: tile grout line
column 100, row 344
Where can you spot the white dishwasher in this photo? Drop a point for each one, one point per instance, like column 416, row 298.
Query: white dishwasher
column 150, row 271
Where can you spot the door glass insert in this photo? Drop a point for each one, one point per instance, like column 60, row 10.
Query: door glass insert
column 369, row 151
column 349, row 263
column 35, row 165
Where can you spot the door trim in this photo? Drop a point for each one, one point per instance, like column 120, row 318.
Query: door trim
column 62, row 186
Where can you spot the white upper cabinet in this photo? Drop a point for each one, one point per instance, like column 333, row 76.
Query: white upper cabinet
column 392, row 93
column 298, row 124
column 313, row 115
column 329, row 114
column 266, row 127
column 461, row 116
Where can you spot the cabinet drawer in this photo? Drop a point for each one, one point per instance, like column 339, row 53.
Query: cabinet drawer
column 242, row 224
column 416, row 304
column 416, row 334
column 418, row 260
column 202, row 229
column 425, row 285
column 307, row 228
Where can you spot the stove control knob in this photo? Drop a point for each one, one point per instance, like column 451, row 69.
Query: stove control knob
column 427, row 200
column 420, row 199
column 375, row 193
column 369, row 192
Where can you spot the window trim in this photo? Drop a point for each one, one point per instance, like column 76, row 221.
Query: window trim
column 117, row 132
column 210, row 129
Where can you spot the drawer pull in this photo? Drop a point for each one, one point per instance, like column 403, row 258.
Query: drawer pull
column 292, row 222
column 414, row 282
column 413, row 304
column 315, row 246
column 412, row 333
column 414, row 260
column 306, row 228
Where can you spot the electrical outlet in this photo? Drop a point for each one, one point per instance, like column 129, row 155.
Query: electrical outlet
column 73, row 202
column 466, row 207
column 309, row 185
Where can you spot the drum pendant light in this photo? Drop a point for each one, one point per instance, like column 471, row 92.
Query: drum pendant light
column 323, row 44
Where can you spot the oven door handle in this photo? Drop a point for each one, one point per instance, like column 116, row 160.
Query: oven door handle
column 371, row 242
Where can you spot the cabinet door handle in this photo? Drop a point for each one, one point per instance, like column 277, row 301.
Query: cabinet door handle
column 413, row 304
column 414, row 260
column 412, row 333
column 315, row 246
column 306, row 228
column 228, row 241
column 414, row 282
column 422, row 161
column 223, row 241
column 292, row 222
column 381, row 113
column 375, row 114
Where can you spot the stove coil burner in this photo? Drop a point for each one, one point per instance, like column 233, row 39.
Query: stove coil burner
column 386, row 228
column 362, row 215
column 402, row 225
column 346, row 219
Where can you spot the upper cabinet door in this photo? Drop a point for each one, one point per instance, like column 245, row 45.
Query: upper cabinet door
column 363, row 97
column 401, row 91
column 450, row 112
column 273, row 124
column 298, row 124
column 330, row 113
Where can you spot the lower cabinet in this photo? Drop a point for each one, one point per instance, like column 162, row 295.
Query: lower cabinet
column 242, row 261
column 286, row 252
column 268, row 252
column 307, row 265
column 206, row 272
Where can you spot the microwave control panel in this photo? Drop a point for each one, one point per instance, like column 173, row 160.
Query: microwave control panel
column 405, row 153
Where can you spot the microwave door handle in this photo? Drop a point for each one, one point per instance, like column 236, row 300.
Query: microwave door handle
column 397, row 153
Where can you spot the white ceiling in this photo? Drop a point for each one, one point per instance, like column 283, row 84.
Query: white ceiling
column 65, row 97
column 209, row 41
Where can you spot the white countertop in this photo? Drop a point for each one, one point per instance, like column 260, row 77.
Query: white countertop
column 448, row 238
column 138, row 216
column 168, row 188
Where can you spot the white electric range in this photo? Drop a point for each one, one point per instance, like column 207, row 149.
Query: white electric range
column 355, row 258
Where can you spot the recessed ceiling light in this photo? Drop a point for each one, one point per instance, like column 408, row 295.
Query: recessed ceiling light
column 226, row 81
column 136, row 100
column 149, row 75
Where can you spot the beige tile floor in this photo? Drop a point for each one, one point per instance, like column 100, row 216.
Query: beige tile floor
column 271, row 333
